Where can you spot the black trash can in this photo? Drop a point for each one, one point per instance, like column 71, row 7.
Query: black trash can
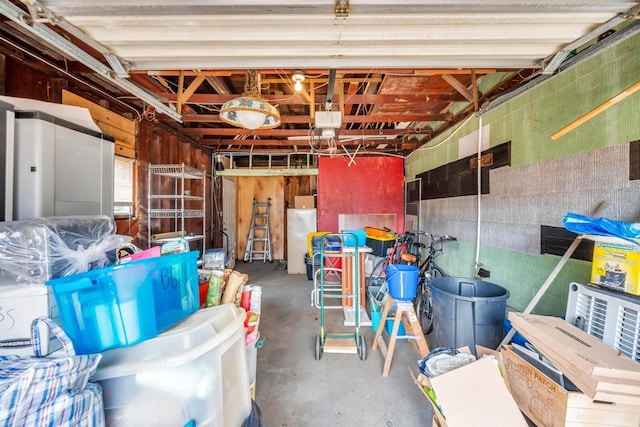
column 468, row 312
column 312, row 264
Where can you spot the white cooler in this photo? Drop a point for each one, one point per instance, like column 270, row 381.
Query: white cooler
column 195, row 372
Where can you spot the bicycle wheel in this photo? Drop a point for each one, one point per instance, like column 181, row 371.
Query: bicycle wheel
column 378, row 274
column 424, row 304
column 435, row 272
column 424, row 310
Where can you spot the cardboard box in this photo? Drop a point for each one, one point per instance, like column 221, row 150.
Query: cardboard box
column 305, row 202
column 474, row 395
column 547, row 404
column 616, row 266
column 599, row 371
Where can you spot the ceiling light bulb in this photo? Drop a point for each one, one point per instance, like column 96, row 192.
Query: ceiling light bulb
column 298, row 78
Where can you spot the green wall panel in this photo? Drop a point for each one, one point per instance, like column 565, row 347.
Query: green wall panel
column 530, row 119
column 521, row 274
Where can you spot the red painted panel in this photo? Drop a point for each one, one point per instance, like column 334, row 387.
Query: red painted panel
column 373, row 185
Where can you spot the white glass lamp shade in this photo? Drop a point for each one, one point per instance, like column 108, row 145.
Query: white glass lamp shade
column 250, row 119
column 250, row 113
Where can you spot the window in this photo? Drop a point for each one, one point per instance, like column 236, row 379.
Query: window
column 123, row 187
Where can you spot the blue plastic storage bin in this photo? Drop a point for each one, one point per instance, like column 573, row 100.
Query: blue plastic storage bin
column 331, row 243
column 376, row 316
column 175, row 287
column 126, row 304
column 403, row 281
column 360, row 237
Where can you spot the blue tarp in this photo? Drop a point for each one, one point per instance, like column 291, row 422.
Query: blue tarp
column 583, row 224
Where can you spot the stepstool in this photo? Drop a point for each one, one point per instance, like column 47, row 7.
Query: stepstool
column 406, row 314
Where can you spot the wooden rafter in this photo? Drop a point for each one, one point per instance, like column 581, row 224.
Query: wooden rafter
column 474, row 90
column 303, row 119
column 296, row 142
column 458, row 86
column 297, row 99
column 218, row 85
column 312, row 104
column 407, row 71
column 288, row 132
column 184, row 95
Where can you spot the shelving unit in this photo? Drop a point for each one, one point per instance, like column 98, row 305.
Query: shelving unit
column 182, row 204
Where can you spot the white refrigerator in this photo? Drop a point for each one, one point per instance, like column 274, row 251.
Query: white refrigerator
column 300, row 222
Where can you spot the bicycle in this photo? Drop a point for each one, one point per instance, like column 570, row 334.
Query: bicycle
column 429, row 270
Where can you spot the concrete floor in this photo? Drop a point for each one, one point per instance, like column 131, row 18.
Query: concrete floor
column 294, row 389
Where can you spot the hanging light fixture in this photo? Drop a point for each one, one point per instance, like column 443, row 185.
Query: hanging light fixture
column 250, row 111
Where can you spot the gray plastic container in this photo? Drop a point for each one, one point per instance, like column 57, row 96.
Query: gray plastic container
column 468, row 312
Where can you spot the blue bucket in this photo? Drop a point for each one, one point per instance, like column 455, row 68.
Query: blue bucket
column 403, row 281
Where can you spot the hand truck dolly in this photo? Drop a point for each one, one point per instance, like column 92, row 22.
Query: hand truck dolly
column 339, row 342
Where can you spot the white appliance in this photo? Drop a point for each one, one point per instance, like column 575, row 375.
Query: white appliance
column 300, row 222
column 7, row 117
column 612, row 317
column 60, row 168
column 20, row 304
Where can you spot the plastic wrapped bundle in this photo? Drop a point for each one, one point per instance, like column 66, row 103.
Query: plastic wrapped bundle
column 36, row 250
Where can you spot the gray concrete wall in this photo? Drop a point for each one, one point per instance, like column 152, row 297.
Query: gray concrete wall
column 524, row 198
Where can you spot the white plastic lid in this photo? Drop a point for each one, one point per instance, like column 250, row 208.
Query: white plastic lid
column 186, row 341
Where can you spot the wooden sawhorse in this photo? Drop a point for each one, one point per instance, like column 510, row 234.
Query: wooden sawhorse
column 406, row 314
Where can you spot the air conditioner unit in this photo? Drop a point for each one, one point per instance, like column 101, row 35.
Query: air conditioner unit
column 612, row 317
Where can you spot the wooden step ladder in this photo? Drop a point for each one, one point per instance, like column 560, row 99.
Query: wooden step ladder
column 406, row 314
column 259, row 233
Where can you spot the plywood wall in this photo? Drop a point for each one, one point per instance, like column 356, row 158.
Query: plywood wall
column 297, row 186
column 261, row 187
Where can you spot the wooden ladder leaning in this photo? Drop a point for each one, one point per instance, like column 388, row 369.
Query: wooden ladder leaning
column 259, row 233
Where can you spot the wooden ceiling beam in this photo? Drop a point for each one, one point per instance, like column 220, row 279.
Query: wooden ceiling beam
column 457, row 85
column 298, row 99
column 291, row 150
column 474, row 91
column 218, row 85
column 176, row 73
column 352, row 89
column 289, row 132
column 308, row 120
column 312, row 105
column 184, row 95
column 323, row 80
column 396, row 71
column 294, row 143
